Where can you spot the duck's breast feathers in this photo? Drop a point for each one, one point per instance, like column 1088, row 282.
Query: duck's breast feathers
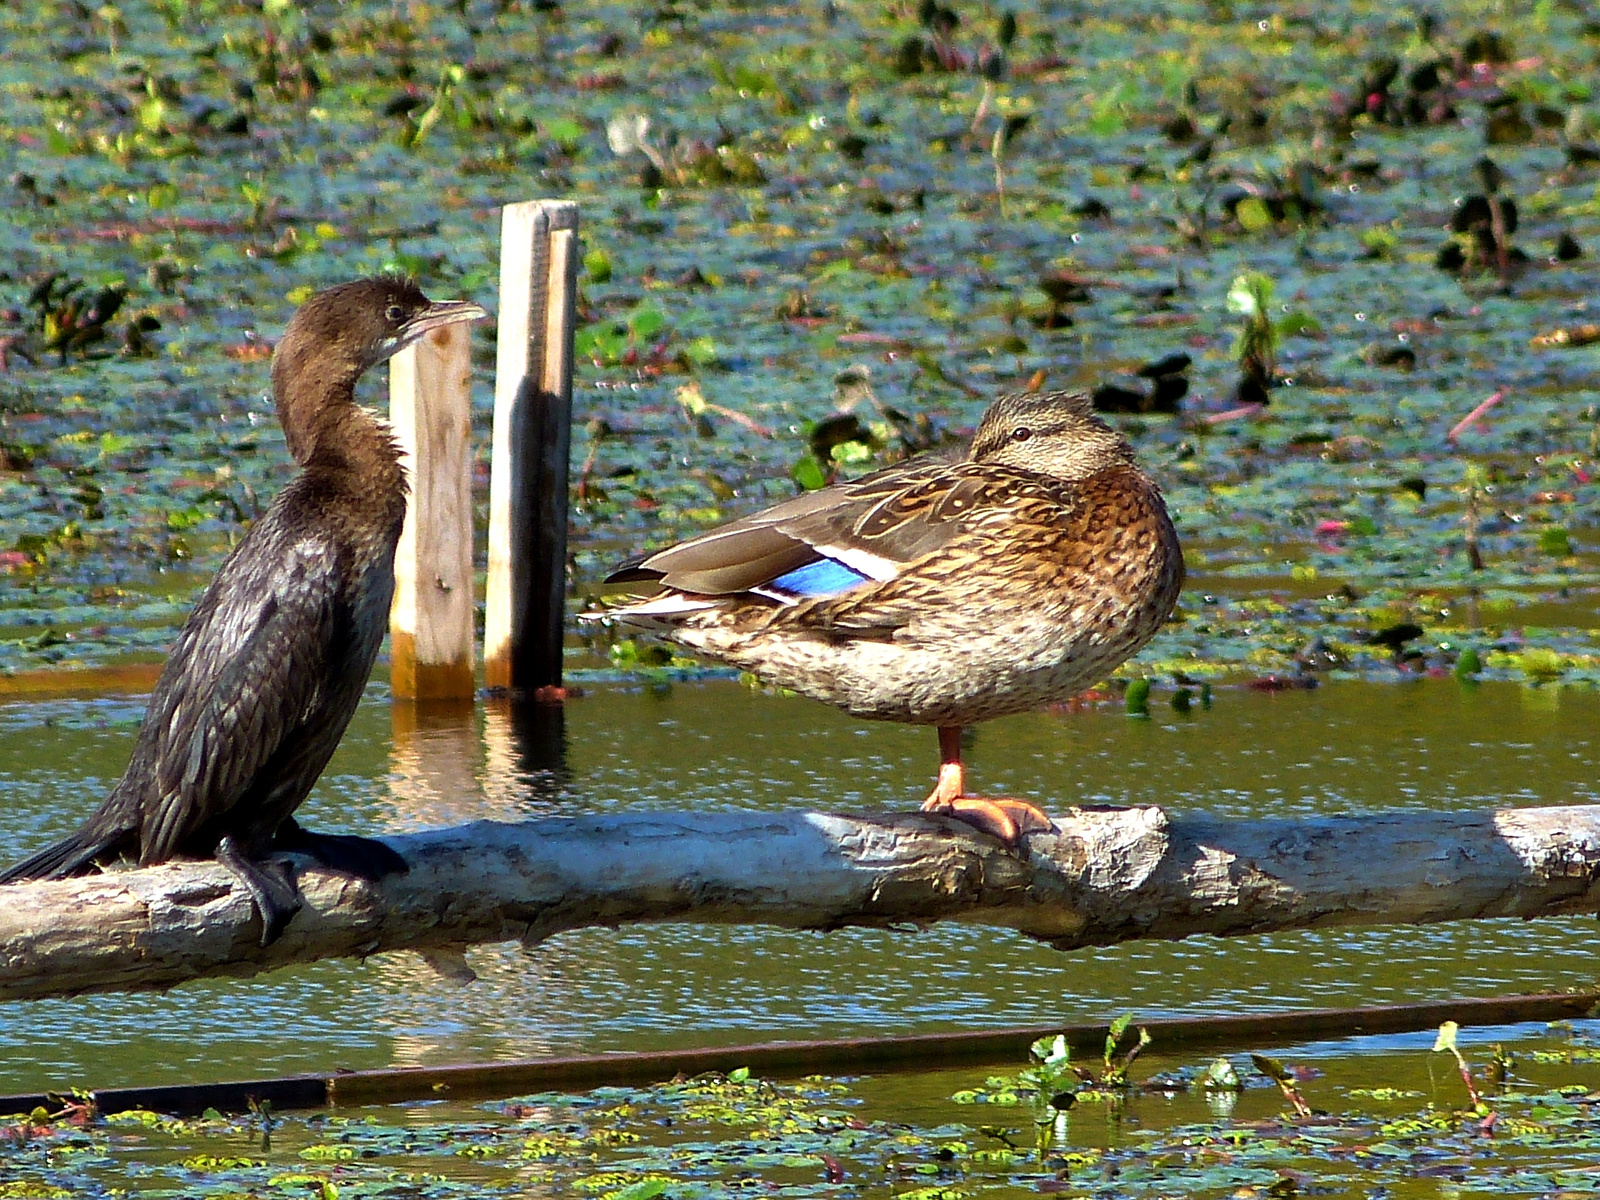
column 1123, row 503
column 841, row 537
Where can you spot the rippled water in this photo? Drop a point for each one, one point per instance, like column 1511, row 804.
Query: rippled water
column 1346, row 747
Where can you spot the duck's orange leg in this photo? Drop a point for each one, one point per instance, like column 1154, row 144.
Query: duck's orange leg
column 1005, row 818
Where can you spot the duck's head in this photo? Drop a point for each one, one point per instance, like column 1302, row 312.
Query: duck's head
column 338, row 334
column 1052, row 433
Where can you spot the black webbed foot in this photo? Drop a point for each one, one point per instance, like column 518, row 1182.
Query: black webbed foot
column 364, row 857
column 271, row 887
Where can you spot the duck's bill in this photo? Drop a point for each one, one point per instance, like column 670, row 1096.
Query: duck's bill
column 440, row 314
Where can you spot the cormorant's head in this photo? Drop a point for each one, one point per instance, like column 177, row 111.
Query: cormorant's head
column 340, row 333
column 1053, row 433
column 361, row 324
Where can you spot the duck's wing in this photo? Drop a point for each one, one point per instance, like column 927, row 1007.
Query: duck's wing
column 1008, row 554
column 834, row 539
column 248, row 673
column 1027, row 543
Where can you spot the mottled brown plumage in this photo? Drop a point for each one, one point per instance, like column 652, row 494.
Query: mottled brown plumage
column 268, row 669
column 938, row 592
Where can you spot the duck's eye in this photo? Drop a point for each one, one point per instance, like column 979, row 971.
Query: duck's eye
column 394, row 314
column 1022, row 434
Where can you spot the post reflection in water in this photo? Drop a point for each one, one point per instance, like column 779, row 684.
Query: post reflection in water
column 433, row 777
column 525, row 747
column 448, row 769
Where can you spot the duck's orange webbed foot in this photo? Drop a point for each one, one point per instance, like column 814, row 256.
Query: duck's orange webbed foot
column 1003, row 817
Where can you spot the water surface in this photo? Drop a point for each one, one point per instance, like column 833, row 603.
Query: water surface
column 1344, row 748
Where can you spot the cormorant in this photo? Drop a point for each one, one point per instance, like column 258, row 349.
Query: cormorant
column 269, row 667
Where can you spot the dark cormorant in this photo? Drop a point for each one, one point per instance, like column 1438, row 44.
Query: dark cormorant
column 269, row 667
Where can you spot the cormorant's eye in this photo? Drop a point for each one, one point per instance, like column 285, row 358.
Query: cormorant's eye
column 1021, row 434
column 394, row 314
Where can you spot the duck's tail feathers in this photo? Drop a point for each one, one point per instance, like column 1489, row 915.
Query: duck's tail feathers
column 658, row 612
column 68, row 856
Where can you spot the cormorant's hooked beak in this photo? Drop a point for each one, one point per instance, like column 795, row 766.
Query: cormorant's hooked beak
column 439, row 314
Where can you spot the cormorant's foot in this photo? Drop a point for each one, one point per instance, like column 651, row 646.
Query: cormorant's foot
column 271, row 888
column 364, row 857
column 1006, row 819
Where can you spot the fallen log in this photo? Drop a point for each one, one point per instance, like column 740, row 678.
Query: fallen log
column 1107, row 875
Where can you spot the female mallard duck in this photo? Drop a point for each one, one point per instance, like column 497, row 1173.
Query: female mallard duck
column 939, row 592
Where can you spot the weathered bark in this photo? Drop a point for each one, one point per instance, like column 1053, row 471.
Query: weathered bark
column 1107, row 876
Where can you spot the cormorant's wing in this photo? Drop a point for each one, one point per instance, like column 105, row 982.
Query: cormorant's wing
column 863, row 530
column 248, row 672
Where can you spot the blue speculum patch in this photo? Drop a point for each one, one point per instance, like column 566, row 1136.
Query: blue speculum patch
column 821, row 578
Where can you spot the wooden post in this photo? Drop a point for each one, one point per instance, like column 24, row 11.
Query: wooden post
column 430, row 624
column 526, row 592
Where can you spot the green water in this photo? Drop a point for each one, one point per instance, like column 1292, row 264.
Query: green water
column 219, row 159
column 1346, row 747
column 1396, row 1123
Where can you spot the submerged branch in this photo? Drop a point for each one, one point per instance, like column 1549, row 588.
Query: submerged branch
column 1108, row 875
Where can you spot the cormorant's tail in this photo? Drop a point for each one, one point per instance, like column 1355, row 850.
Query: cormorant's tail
column 68, row 856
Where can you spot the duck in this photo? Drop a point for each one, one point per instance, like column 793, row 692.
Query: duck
column 267, row 671
column 942, row 591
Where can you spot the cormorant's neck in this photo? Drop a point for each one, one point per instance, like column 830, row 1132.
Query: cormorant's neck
column 328, row 433
column 354, row 451
column 309, row 390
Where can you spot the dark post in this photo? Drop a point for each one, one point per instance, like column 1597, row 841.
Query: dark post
column 525, row 604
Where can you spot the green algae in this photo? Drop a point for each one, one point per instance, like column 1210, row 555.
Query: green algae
column 216, row 160
column 1369, row 1123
